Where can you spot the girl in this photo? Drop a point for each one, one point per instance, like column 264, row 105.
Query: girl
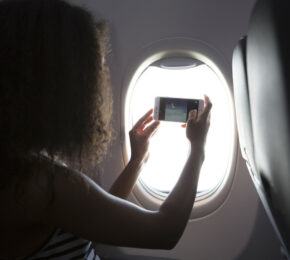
column 55, row 102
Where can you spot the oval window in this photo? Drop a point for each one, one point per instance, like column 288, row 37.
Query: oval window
column 183, row 77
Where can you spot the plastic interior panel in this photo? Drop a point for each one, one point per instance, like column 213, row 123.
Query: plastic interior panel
column 268, row 58
column 242, row 103
column 244, row 122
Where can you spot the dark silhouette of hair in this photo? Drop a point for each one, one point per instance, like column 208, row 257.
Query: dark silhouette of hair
column 54, row 91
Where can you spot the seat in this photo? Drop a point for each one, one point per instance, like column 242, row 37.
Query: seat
column 266, row 61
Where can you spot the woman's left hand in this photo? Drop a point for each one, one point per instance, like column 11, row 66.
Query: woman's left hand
column 140, row 135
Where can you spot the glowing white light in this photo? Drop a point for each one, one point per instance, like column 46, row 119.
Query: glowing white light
column 169, row 147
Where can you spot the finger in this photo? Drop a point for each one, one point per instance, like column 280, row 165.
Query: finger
column 147, row 121
column 151, row 129
column 192, row 114
column 154, row 132
column 183, row 125
column 207, row 107
column 208, row 117
column 143, row 119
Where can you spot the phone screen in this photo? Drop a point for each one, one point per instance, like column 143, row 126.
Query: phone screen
column 176, row 109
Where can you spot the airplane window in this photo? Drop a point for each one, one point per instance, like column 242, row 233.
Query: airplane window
column 169, row 147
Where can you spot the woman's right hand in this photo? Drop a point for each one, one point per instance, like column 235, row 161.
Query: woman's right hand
column 198, row 123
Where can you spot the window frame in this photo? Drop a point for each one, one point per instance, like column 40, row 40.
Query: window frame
column 173, row 47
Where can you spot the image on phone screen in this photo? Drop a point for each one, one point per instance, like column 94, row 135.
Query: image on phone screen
column 176, row 110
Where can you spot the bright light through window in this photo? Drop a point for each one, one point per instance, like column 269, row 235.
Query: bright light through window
column 169, row 147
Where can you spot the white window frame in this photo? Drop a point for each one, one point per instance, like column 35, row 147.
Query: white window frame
column 173, row 47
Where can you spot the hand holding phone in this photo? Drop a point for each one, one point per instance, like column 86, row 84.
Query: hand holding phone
column 198, row 125
column 140, row 135
column 175, row 109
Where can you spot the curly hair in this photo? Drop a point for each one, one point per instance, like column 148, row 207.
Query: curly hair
column 54, row 90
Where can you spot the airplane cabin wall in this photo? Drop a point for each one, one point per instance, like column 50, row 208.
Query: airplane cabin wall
column 239, row 229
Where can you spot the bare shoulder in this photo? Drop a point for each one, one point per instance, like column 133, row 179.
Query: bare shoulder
column 43, row 194
column 48, row 183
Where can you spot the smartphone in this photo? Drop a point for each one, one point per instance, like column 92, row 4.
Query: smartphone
column 175, row 109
